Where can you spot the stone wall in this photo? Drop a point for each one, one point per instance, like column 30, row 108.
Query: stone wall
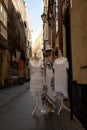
column 79, row 40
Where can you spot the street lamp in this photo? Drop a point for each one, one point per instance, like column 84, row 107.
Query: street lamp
column 43, row 16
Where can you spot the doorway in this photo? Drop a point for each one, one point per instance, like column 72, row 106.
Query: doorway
column 67, row 24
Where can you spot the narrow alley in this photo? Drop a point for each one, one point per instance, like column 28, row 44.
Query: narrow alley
column 43, row 48
column 16, row 113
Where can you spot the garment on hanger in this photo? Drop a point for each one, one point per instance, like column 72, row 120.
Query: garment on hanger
column 61, row 66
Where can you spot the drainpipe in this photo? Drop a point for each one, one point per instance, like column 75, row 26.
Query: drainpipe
column 60, row 25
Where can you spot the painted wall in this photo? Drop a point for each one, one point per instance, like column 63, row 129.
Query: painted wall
column 79, row 40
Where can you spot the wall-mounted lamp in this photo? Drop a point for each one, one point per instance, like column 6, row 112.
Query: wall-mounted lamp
column 43, row 16
column 51, row 6
column 49, row 20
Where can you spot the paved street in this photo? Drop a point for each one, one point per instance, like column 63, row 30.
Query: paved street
column 16, row 106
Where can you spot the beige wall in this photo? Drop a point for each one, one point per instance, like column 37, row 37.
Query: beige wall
column 79, row 40
column 20, row 7
column 38, row 45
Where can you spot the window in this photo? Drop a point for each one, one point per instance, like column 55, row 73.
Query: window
column 3, row 15
column 46, row 2
column 0, row 8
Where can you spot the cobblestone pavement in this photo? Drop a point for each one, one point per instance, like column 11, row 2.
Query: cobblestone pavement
column 16, row 106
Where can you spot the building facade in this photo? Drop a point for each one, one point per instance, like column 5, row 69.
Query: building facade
column 3, row 41
column 38, row 46
column 15, row 33
column 74, row 29
column 68, row 23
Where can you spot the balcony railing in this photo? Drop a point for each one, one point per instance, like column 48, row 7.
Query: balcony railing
column 6, row 3
column 3, row 30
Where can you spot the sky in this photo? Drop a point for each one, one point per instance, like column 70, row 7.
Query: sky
column 35, row 8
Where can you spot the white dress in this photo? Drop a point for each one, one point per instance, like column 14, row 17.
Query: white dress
column 49, row 75
column 36, row 80
column 61, row 78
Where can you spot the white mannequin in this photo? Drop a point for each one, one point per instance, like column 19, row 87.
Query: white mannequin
column 36, row 80
column 60, row 74
column 60, row 54
column 37, row 106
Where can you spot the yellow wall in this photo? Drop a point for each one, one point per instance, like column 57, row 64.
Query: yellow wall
column 79, row 40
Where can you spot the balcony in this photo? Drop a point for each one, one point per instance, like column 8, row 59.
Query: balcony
column 5, row 3
column 3, row 30
column 3, row 36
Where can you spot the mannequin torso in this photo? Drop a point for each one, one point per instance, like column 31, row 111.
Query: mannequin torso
column 60, row 74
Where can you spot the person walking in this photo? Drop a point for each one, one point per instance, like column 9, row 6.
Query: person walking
column 48, row 97
column 36, row 82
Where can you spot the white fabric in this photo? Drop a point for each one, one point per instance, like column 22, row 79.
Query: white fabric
column 61, row 78
column 49, row 75
column 36, row 80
